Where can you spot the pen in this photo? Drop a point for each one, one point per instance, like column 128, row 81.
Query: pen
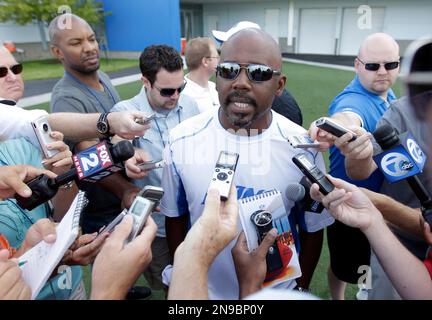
column 20, row 264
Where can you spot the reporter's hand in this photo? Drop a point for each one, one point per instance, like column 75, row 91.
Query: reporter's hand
column 251, row 267
column 325, row 139
column 12, row 180
column 427, row 233
column 12, row 285
column 123, row 124
column 43, row 229
column 85, row 249
column 209, row 235
column 117, row 265
column 214, row 230
column 131, row 165
column 62, row 161
column 359, row 149
column 348, row 204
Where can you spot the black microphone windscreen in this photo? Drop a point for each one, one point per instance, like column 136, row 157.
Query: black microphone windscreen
column 386, row 136
column 295, row 192
column 122, row 151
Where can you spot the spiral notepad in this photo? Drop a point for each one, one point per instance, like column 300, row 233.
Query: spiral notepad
column 39, row 262
column 272, row 202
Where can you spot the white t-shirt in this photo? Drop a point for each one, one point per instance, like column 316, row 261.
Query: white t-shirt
column 264, row 164
column 15, row 123
column 206, row 98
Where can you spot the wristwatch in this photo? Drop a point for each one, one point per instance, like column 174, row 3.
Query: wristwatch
column 102, row 125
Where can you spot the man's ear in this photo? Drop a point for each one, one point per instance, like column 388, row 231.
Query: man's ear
column 146, row 82
column 56, row 52
column 204, row 62
column 356, row 65
column 281, row 85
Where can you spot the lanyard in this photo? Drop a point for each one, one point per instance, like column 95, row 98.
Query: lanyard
column 86, row 88
column 159, row 130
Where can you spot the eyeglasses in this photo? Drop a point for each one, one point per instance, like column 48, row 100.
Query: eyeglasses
column 168, row 92
column 375, row 66
column 212, row 57
column 255, row 72
column 16, row 69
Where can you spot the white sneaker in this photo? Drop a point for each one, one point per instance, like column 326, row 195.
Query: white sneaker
column 362, row 294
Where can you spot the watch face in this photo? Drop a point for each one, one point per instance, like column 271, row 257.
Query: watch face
column 102, row 127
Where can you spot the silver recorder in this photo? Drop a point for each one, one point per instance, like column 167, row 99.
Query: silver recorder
column 42, row 131
column 223, row 174
column 144, row 204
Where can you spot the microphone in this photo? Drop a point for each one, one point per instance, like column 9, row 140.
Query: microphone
column 299, row 193
column 92, row 164
column 402, row 159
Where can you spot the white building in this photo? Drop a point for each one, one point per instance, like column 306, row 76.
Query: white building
column 334, row 27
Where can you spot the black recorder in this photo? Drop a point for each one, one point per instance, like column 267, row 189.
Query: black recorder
column 313, row 173
column 223, row 174
column 263, row 223
column 334, row 128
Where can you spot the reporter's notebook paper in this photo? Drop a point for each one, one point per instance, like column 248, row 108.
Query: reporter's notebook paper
column 272, row 201
column 39, row 262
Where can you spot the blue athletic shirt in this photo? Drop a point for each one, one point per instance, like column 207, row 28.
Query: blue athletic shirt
column 370, row 107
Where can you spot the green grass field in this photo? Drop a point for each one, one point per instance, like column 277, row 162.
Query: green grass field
column 314, row 89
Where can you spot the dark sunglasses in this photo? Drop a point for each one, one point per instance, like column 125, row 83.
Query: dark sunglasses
column 16, row 69
column 375, row 66
column 168, row 92
column 255, row 72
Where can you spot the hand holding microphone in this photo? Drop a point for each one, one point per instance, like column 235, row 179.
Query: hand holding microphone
column 91, row 165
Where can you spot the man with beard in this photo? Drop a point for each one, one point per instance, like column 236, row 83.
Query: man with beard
column 361, row 104
column 248, row 77
column 86, row 89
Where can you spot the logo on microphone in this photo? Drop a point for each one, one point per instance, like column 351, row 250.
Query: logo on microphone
column 396, row 164
column 92, row 160
column 415, row 151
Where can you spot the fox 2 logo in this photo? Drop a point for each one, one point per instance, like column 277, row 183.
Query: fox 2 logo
column 92, row 160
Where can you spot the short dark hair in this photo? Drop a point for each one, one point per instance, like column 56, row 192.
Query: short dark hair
column 156, row 57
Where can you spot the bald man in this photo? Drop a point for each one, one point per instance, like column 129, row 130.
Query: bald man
column 359, row 107
column 248, row 77
column 84, row 89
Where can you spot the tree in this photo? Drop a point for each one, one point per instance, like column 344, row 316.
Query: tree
column 41, row 12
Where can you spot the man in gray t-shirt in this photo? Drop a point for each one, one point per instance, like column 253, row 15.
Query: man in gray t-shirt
column 360, row 164
column 84, row 89
column 401, row 116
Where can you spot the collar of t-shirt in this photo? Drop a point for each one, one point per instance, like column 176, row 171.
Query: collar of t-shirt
column 195, row 87
column 357, row 87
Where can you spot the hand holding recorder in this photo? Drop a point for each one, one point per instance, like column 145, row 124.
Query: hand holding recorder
column 348, row 204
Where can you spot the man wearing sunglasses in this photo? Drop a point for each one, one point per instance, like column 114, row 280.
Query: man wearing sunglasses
column 248, row 78
column 404, row 224
column 285, row 104
column 163, row 81
column 358, row 107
